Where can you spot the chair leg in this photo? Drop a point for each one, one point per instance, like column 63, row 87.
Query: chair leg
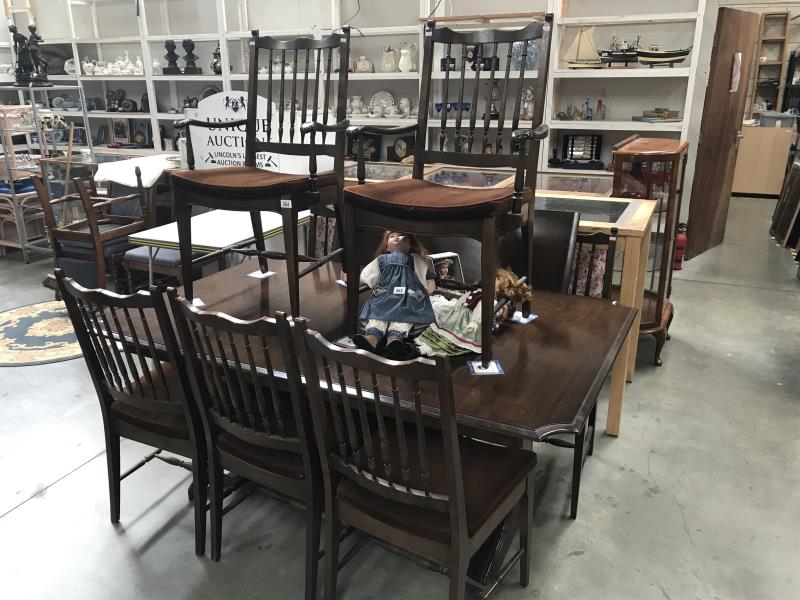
column 577, row 468
column 311, row 235
column 289, row 216
column 351, row 268
column 128, row 276
column 313, row 526
column 488, row 283
column 100, row 266
column 216, row 485
column 112, row 460
column 332, row 539
column 592, row 421
column 200, row 487
column 526, row 518
column 258, row 234
column 458, row 578
column 183, row 217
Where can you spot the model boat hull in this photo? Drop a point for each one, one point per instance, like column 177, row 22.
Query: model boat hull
column 613, row 56
column 585, row 65
column 662, row 57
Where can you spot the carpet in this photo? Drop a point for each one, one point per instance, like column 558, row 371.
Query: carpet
column 37, row 334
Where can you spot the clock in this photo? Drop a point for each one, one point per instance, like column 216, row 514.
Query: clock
column 402, row 147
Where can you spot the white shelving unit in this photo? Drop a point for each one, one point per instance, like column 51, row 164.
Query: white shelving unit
column 103, row 29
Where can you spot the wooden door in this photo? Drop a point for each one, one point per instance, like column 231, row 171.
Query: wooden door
column 723, row 112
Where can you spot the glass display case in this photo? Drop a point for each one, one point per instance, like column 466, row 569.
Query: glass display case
column 653, row 168
column 467, row 177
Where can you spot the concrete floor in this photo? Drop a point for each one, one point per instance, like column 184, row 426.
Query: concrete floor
column 697, row 498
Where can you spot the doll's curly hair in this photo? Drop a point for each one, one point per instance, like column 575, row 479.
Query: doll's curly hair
column 414, row 244
column 508, row 285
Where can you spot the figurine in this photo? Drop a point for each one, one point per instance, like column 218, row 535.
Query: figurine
column 39, row 66
column 190, row 58
column 216, row 64
column 405, row 65
column 527, row 104
column 31, row 69
column 172, row 59
column 357, row 106
column 401, row 280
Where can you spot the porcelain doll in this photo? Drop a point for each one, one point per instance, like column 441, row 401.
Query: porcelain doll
column 401, row 281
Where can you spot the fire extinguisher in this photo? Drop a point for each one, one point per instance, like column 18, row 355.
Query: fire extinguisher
column 680, row 247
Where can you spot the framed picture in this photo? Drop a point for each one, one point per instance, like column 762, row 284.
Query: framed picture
column 447, row 266
column 120, row 131
column 141, row 132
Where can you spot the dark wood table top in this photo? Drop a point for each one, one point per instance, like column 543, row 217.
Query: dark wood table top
column 554, row 367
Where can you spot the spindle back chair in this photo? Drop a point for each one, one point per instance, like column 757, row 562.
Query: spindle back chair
column 400, row 472
column 99, row 237
column 314, row 75
column 142, row 397
column 246, row 381
column 422, row 207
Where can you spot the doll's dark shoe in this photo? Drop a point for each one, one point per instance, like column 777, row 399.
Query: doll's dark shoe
column 395, row 349
column 365, row 342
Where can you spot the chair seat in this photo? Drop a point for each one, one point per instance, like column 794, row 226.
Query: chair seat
column 162, row 257
column 248, row 182
column 110, row 247
column 425, row 200
column 490, row 473
column 281, row 462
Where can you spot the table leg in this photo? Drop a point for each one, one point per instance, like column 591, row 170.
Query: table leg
column 644, row 254
column 150, row 265
column 627, row 297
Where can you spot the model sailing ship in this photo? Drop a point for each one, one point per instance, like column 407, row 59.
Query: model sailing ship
column 620, row 51
column 582, row 53
column 655, row 56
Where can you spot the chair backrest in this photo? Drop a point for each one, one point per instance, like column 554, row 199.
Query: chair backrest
column 506, row 52
column 593, row 267
column 121, row 371
column 312, row 69
column 369, row 423
column 554, row 237
column 245, row 377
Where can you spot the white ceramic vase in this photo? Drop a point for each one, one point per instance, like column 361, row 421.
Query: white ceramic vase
column 405, row 64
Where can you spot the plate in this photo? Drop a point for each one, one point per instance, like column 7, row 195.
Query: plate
column 382, row 98
column 69, row 66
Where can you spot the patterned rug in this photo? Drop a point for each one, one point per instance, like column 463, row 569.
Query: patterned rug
column 37, row 334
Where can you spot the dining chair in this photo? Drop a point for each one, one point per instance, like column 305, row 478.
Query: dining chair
column 398, row 470
column 250, row 188
column 143, row 394
column 89, row 247
column 421, row 207
column 246, row 381
column 591, row 275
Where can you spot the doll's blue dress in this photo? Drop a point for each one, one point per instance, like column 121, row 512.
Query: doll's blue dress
column 399, row 296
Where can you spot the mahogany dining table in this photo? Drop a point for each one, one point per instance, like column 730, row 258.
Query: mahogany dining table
column 554, row 367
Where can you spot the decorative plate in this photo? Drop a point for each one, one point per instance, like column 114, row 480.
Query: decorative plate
column 58, row 102
column 531, row 59
column 382, row 98
column 69, row 66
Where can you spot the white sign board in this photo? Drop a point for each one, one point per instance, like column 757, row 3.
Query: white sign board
column 226, row 146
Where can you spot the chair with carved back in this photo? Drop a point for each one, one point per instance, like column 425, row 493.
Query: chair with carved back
column 91, row 246
column 255, row 417
column 591, row 275
column 143, row 393
column 253, row 189
column 399, row 470
column 422, row 207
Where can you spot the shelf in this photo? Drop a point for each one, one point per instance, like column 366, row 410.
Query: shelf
column 169, row 116
column 113, row 77
column 678, row 17
column 62, row 77
column 632, row 72
column 195, row 37
column 209, row 77
column 469, row 75
column 616, row 125
column 383, row 121
column 237, row 35
column 770, row 63
column 435, row 122
column 107, row 114
column 397, row 30
column 555, row 171
column 382, row 76
column 123, row 39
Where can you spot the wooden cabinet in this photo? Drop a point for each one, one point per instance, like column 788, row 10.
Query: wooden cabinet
column 761, row 162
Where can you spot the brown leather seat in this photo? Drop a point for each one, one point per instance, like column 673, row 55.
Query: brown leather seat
column 490, row 474
column 248, row 181
column 421, row 199
column 288, row 464
column 162, row 423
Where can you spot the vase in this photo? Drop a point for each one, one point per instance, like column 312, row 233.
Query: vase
column 388, row 60
column 405, row 64
column 412, row 53
column 363, row 65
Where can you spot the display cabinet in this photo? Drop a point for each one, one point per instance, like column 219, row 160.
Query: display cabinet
column 653, row 168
